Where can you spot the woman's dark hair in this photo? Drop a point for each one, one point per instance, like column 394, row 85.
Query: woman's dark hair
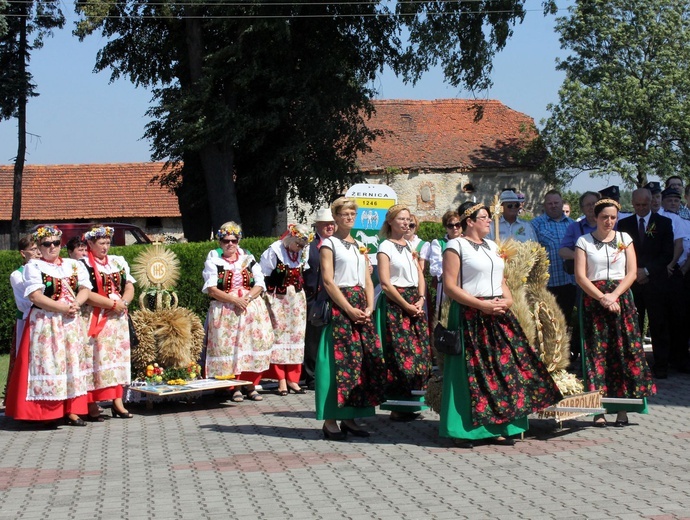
column 605, row 203
column 25, row 242
column 75, row 242
column 473, row 208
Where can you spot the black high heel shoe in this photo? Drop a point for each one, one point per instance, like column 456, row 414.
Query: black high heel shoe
column 296, row 390
column 354, row 431
column 95, row 418
column 333, row 436
column 74, row 422
column 120, row 415
column 282, row 393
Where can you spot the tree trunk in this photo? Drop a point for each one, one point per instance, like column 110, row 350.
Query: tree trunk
column 15, row 226
column 216, row 159
column 191, row 197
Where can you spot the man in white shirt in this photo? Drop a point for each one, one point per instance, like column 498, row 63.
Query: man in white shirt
column 509, row 225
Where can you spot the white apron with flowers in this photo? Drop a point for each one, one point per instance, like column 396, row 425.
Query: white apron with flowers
column 60, row 358
column 236, row 341
column 111, row 347
column 288, row 311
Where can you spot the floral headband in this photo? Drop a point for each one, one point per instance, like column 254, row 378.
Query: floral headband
column 45, row 231
column 293, row 231
column 471, row 210
column 231, row 229
column 99, row 232
column 607, row 201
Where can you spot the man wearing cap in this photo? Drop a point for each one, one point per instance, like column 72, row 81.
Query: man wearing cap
column 676, row 183
column 654, row 188
column 550, row 228
column 652, row 236
column 324, row 227
column 613, row 192
column 509, row 225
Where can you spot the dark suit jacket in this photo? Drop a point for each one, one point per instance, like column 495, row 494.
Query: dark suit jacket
column 312, row 275
column 655, row 252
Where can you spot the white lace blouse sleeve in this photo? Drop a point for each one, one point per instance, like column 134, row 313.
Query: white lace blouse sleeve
column 268, row 260
column 210, row 274
column 33, row 279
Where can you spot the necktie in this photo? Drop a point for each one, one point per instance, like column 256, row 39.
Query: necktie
column 641, row 230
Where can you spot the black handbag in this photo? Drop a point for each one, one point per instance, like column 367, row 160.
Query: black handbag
column 448, row 342
column 320, row 312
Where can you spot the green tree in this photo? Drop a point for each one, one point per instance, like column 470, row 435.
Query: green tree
column 625, row 101
column 23, row 21
column 265, row 100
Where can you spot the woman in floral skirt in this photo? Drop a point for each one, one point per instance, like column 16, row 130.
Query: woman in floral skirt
column 239, row 335
column 350, row 369
column 401, row 317
column 498, row 379
column 282, row 265
column 112, row 292
column 613, row 357
column 53, row 369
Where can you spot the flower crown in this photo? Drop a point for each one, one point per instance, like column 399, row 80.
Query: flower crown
column 99, row 232
column 307, row 237
column 44, row 232
column 230, row 229
column 607, row 201
column 471, row 210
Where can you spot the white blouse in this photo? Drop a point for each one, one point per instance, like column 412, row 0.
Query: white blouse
column 17, row 283
column 277, row 253
column 605, row 260
column 403, row 267
column 243, row 261
column 350, row 263
column 34, row 270
column 481, row 267
column 115, row 265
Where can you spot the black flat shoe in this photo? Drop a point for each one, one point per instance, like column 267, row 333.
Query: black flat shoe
column 621, row 424
column 282, row 393
column 120, row 415
column 465, row 445
column 333, row 436
column 505, row 441
column 600, row 424
column 296, row 390
column 354, row 431
column 75, row 422
column 95, row 418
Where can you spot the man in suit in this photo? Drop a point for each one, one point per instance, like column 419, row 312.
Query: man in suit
column 652, row 236
column 324, row 226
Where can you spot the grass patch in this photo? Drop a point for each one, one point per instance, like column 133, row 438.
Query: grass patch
column 4, row 364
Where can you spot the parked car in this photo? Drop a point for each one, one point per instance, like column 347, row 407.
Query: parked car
column 125, row 234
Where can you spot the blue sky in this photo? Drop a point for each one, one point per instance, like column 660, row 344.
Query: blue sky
column 80, row 117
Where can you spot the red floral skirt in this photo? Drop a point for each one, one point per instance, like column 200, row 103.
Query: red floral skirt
column 506, row 377
column 360, row 370
column 614, row 359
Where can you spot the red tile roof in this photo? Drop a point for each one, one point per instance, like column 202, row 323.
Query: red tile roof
column 76, row 191
column 443, row 134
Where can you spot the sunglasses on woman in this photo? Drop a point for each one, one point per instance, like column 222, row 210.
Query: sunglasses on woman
column 55, row 243
column 229, row 241
column 412, row 226
column 512, row 206
column 457, row 225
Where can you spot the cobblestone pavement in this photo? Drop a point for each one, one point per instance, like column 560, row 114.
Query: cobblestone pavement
column 254, row 460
